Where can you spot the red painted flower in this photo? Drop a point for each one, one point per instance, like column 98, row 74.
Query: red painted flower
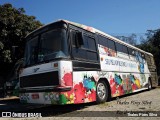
column 120, row 89
column 134, row 87
column 106, row 49
column 92, row 95
column 113, row 86
column 79, row 92
column 68, row 79
column 70, row 92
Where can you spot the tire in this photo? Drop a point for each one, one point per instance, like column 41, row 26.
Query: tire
column 101, row 92
column 149, row 84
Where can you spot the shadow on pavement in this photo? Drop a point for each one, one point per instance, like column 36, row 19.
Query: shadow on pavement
column 48, row 110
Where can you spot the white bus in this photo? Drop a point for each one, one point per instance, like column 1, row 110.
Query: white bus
column 70, row 63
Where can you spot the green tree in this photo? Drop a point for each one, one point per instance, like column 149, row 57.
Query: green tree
column 131, row 39
column 14, row 26
column 152, row 45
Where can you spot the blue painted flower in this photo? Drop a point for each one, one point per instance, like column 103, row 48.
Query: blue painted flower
column 132, row 78
column 141, row 68
column 118, row 79
column 88, row 83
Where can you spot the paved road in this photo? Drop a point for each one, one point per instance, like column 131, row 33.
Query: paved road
column 126, row 105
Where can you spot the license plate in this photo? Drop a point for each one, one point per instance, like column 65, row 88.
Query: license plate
column 35, row 96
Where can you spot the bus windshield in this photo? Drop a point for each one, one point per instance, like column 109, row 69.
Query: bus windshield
column 46, row 46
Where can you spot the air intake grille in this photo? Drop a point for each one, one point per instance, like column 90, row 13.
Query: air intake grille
column 43, row 79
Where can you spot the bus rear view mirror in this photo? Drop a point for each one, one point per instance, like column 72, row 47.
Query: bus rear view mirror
column 79, row 39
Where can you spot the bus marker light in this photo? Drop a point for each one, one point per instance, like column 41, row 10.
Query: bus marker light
column 55, row 65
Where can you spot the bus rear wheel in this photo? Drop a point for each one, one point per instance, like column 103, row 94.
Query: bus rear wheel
column 149, row 84
column 101, row 92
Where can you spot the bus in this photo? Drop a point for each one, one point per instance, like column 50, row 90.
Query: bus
column 71, row 63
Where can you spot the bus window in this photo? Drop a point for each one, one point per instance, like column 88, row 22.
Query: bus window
column 125, row 50
column 31, row 51
column 143, row 56
column 73, row 38
column 131, row 53
column 107, row 45
column 119, row 47
column 90, row 42
column 122, row 51
column 111, row 44
column 87, row 51
column 102, row 40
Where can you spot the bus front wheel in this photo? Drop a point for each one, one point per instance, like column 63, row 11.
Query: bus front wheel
column 101, row 92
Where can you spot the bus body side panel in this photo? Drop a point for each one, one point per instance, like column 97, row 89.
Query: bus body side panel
column 124, row 75
column 85, row 86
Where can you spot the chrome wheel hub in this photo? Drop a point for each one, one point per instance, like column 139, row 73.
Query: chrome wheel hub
column 101, row 90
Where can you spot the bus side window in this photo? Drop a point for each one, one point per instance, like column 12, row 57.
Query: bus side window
column 102, row 41
column 112, row 48
column 131, row 53
column 90, row 42
column 122, row 51
column 107, row 45
column 119, row 47
column 73, row 38
column 90, row 47
column 125, row 50
column 86, row 51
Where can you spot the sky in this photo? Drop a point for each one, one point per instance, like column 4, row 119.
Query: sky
column 115, row 17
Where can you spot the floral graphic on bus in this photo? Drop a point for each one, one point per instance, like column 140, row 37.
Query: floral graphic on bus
column 89, row 83
column 121, row 86
column 141, row 62
column 67, row 78
column 113, row 85
column 92, row 95
column 135, row 82
column 116, row 86
column 118, row 79
column 82, row 92
column 141, row 67
column 51, row 96
column 67, row 97
column 106, row 51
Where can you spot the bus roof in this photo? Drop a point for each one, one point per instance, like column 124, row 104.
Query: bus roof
column 94, row 30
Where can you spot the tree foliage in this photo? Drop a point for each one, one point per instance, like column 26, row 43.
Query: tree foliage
column 132, row 39
column 14, row 26
column 152, row 45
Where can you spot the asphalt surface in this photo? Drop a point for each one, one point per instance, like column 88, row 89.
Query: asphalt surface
column 141, row 103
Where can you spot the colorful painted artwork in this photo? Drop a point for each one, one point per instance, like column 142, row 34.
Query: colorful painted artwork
column 121, row 86
column 107, row 51
column 51, row 96
column 82, row 92
column 67, row 79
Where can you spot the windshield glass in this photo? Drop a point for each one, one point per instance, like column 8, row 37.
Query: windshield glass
column 46, row 46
